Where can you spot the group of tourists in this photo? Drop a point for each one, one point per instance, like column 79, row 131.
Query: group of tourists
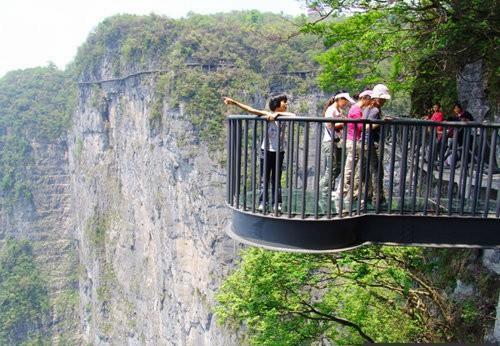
column 361, row 140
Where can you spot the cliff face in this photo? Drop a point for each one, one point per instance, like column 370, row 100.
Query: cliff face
column 149, row 215
column 148, row 174
column 45, row 220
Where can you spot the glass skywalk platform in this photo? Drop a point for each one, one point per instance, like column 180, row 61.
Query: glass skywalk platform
column 434, row 192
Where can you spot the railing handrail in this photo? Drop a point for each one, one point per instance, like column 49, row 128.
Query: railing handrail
column 386, row 121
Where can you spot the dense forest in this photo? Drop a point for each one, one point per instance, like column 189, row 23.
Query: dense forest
column 375, row 293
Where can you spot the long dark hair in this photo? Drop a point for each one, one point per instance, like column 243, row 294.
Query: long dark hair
column 331, row 101
column 328, row 103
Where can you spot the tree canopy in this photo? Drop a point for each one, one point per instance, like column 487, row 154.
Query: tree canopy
column 417, row 47
column 381, row 294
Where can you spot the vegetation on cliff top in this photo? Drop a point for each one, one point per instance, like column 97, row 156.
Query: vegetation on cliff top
column 35, row 107
column 204, row 58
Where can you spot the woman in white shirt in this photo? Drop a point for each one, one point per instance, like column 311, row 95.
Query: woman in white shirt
column 335, row 108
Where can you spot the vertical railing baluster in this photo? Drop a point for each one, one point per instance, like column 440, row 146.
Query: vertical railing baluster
column 441, row 170
column 451, row 180
column 266, row 163
column 402, row 170
column 416, row 158
column 412, row 159
column 254, row 164
column 342, row 175
column 463, row 170
column 361, row 163
column 333, row 156
column 317, row 168
column 277, row 170
column 479, row 170
column 290, row 166
column 422, row 165
column 468, row 191
column 391, row 169
column 229, row 162
column 305, row 158
column 380, row 169
column 430, row 168
column 245, row 164
column 490, row 172
column 238, row 163
column 353, row 172
column 296, row 159
column 367, row 169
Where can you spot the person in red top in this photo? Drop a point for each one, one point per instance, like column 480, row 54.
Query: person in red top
column 437, row 116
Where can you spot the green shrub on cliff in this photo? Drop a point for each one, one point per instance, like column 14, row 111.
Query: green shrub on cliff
column 35, row 107
column 24, row 301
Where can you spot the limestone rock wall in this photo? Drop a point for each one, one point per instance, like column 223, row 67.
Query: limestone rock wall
column 45, row 220
column 149, row 216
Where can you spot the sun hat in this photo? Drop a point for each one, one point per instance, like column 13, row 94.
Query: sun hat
column 346, row 96
column 380, row 91
column 366, row 93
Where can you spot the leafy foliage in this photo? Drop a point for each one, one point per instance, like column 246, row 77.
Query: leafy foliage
column 35, row 106
column 384, row 294
column 23, row 295
column 417, row 47
column 349, row 298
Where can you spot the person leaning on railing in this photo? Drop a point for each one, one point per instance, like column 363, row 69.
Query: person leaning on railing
column 335, row 109
column 276, row 132
column 353, row 150
column 379, row 96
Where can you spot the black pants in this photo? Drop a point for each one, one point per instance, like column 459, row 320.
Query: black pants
column 270, row 175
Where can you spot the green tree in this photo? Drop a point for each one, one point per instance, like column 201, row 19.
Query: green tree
column 417, row 47
column 23, row 295
column 370, row 294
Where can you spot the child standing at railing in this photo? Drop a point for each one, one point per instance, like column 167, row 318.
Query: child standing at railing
column 276, row 134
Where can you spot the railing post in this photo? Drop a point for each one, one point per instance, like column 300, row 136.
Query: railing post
column 238, row 162
column 265, row 182
column 391, row 169
column 305, row 158
column 229, row 163
column 245, row 168
column 451, row 181
column 290, row 164
column 254, row 164
column 402, row 170
column 317, row 168
column 490, row 172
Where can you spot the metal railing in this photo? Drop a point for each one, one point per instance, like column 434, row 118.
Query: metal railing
column 414, row 167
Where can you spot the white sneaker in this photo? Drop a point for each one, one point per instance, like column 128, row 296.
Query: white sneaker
column 261, row 207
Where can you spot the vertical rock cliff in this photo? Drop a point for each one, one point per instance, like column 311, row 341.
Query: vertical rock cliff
column 149, row 215
column 146, row 158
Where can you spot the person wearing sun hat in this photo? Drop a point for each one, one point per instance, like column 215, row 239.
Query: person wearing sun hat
column 334, row 108
column 353, row 145
column 380, row 93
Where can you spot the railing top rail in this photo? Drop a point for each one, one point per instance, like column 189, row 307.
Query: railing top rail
column 391, row 121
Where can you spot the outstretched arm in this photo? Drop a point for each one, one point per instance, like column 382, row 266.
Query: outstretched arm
column 229, row 101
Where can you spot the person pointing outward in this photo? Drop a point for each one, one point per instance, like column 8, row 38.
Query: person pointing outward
column 276, row 134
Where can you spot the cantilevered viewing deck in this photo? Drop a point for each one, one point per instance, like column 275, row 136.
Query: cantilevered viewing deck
column 433, row 194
